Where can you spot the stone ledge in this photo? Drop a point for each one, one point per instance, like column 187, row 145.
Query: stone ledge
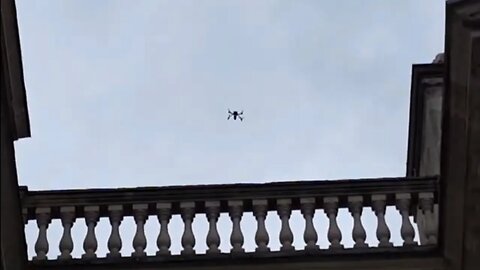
column 372, row 258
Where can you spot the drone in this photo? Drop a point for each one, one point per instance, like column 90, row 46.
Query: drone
column 235, row 114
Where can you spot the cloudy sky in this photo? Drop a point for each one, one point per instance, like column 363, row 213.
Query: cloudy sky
column 135, row 93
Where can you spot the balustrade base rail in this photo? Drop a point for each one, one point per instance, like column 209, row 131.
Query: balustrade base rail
column 317, row 255
column 420, row 257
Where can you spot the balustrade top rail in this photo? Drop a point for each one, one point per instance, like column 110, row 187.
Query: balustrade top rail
column 342, row 189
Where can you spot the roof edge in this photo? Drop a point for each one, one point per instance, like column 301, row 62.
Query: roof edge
column 14, row 69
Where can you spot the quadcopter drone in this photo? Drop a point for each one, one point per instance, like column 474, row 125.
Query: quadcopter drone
column 235, row 114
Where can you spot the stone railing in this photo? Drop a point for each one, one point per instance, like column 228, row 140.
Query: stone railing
column 305, row 197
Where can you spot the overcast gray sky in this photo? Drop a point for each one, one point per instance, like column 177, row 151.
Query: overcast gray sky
column 135, row 93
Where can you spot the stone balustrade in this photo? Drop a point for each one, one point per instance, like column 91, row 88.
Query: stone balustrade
column 261, row 200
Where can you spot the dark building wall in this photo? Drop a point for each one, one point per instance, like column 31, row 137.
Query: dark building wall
column 13, row 247
column 460, row 161
column 14, row 125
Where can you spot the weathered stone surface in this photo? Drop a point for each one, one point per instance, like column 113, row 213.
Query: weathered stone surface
column 461, row 138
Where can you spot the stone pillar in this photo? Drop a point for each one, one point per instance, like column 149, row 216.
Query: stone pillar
column 13, row 244
column 460, row 167
column 14, row 125
column 432, row 91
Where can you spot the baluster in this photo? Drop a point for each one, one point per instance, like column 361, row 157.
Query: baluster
column 163, row 241
column 310, row 235
column 41, row 245
column 260, row 208
column 115, row 241
column 383, row 233
column 213, row 238
column 334, row 234
column 188, row 239
column 426, row 205
column 286, row 236
column 355, row 206
column 403, row 206
column 140, row 215
column 236, row 238
column 90, row 243
column 66, row 243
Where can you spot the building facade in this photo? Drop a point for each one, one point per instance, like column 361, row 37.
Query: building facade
column 441, row 189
